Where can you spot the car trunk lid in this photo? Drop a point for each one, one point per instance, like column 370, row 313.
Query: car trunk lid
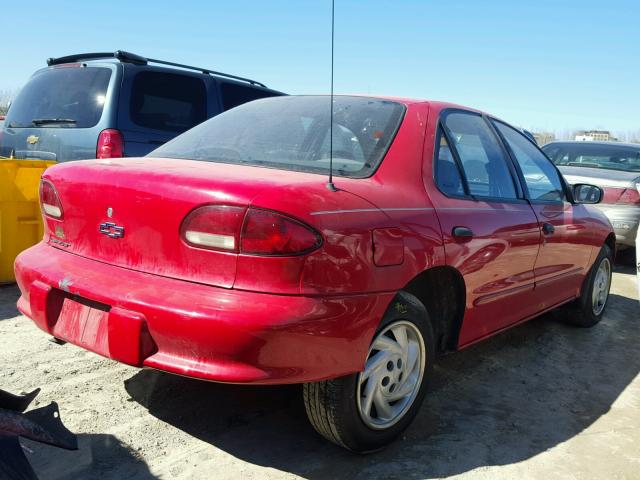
column 128, row 212
column 615, row 183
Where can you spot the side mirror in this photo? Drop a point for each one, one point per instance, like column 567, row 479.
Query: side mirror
column 585, row 193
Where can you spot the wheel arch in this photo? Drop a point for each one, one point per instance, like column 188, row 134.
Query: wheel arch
column 442, row 291
column 610, row 241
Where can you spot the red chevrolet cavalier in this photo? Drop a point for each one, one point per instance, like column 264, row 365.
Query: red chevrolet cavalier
column 225, row 254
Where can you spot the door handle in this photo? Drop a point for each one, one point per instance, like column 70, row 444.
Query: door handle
column 462, row 232
column 548, row 229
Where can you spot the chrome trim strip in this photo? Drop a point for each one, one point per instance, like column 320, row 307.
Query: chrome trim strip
column 420, row 209
column 362, row 210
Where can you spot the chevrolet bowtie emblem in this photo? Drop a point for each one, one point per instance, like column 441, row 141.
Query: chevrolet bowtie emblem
column 32, row 139
column 111, row 230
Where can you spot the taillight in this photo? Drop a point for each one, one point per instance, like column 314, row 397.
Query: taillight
column 630, row 196
column 49, row 200
column 248, row 231
column 216, row 227
column 270, row 233
column 110, row 144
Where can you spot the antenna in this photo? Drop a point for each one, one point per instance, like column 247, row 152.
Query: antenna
column 330, row 184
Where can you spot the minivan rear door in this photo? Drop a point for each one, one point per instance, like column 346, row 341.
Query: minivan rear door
column 59, row 113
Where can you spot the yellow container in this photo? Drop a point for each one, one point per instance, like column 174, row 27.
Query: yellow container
column 20, row 218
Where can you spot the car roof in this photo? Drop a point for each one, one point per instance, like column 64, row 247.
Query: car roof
column 435, row 104
column 576, row 142
column 132, row 60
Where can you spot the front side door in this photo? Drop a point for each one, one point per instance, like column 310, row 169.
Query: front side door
column 565, row 251
column 490, row 232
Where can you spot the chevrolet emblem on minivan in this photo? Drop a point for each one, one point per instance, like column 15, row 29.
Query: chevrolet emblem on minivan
column 32, row 139
column 111, row 230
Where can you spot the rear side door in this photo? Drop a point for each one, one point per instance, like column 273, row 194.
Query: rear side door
column 158, row 105
column 566, row 248
column 490, row 232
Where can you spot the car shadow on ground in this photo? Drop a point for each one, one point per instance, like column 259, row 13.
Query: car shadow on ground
column 500, row 402
column 97, row 456
column 9, row 295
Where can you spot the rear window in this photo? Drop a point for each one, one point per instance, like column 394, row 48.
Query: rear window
column 234, row 94
column 165, row 101
column 292, row 133
column 67, row 97
column 594, row 155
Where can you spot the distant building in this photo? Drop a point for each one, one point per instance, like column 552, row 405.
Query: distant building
column 542, row 138
column 595, row 136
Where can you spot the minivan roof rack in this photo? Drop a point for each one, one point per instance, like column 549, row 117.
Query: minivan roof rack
column 128, row 57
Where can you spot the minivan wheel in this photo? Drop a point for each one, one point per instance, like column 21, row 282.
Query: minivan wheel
column 365, row 411
column 589, row 309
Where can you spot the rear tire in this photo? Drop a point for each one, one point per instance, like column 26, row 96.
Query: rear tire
column 360, row 412
column 589, row 309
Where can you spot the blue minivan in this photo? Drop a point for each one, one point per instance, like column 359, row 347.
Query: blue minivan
column 105, row 105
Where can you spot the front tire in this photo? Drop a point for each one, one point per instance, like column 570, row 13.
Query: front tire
column 365, row 411
column 589, row 309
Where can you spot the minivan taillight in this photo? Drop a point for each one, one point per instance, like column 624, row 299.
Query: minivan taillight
column 49, row 200
column 110, row 144
column 270, row 233
column 249, row 231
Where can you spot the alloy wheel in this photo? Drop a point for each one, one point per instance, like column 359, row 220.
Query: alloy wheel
column 392, row 376
column 601, row 282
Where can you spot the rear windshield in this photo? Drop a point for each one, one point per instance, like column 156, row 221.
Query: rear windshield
column 594, row 155
column 292, row 133
column 61, row 98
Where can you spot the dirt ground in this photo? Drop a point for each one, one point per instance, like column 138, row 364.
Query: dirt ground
column 543, row 400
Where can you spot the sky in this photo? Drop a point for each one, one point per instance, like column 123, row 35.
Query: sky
column 543, row 65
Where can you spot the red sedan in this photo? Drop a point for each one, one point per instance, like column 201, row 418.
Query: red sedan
column 225, row 254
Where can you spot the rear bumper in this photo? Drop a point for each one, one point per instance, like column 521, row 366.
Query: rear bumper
column 624, row 219
column 195, row 330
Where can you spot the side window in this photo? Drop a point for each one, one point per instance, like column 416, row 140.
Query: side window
column 234, row 94
column 541, row 177
column 166, row 101
column 448, row 176
column 482, row 158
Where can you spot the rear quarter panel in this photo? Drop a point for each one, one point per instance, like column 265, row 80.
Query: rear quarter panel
column 393, row 200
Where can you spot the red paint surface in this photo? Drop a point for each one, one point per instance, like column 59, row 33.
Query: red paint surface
column 243, row 318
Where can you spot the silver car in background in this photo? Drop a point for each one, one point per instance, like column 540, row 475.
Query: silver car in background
column 615, row 167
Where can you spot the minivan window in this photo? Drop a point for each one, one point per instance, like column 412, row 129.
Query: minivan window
column 61, row 97
column 291, row 133
column 234, row 94
column 169, row 102
column 542, row 179
column 483, row 161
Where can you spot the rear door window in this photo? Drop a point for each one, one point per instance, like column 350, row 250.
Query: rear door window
column 62, row 97
column 234, row 94
column 168, row 102
column 481, row 156
column 541, row 177
column 448, row 175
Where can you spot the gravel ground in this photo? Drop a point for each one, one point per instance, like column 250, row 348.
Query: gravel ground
column 543, row 400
